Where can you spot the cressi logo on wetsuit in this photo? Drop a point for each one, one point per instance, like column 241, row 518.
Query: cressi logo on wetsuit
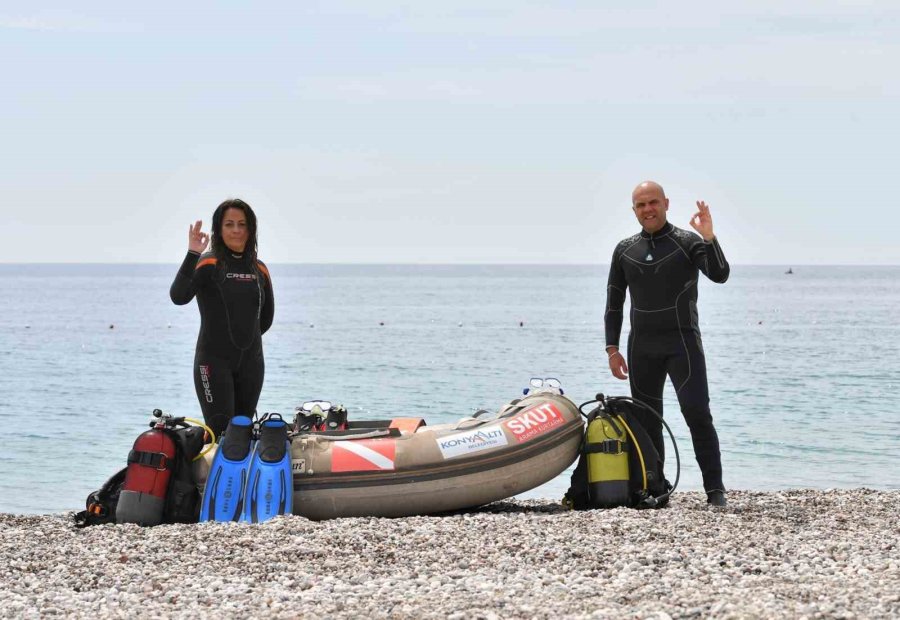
column 204, row 379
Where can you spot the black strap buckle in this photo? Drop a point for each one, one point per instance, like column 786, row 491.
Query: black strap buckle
column 156, row 460
column 609, row 446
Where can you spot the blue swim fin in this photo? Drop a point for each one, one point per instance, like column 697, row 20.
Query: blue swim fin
column 271, row 485
column 223, row 498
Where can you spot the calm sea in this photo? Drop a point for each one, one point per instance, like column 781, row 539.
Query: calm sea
column 804, row 369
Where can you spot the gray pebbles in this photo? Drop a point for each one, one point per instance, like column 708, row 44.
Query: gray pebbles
column 797, row 554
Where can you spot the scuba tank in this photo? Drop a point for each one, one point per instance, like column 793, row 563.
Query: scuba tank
column 158, row 485
column 150, row 462
column 620, row 464
column 606, row 448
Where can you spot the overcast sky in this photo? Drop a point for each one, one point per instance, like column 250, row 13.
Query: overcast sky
column 443, row 132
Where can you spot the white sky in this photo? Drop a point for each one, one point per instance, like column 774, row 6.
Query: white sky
column 442, row 132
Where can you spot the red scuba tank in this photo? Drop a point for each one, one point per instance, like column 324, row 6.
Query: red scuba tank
column 150, row 462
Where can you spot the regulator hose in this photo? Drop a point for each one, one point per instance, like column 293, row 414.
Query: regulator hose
column 212, row 435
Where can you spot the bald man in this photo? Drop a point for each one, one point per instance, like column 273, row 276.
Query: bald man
column 661, row 266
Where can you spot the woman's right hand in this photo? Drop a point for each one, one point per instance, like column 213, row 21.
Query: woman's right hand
column 197, row 239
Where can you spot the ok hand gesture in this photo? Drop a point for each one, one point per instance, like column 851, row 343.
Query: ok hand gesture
column 702, row 221
column 197, row 239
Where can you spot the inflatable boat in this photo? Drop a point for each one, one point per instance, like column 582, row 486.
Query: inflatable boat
column 403, row 467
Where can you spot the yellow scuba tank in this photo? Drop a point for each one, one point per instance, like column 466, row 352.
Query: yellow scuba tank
column 620, row 465
column 606, row 448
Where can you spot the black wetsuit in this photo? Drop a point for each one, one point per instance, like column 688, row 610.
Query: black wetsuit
column 661, row 271
column 236, row 305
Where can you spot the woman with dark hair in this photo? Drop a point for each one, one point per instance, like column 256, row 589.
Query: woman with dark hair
column 234, row 295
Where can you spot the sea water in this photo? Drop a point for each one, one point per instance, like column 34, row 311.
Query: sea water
column 803, row 368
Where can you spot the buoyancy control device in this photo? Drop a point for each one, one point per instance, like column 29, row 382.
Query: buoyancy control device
column 100, row 506
column 621, row 463
column 158, row 485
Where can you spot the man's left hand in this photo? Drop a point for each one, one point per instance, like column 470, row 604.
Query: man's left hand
column 702, row 221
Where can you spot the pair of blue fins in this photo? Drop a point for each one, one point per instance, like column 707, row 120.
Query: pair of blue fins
column 250, row 479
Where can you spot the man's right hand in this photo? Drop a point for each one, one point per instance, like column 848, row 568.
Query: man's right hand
column 617, row 364
column 197, row 239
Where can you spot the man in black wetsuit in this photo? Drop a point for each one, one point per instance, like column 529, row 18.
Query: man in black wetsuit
column 234, row 294
column 660, row 266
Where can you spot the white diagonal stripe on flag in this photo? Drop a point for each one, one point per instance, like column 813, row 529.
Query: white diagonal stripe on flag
column 376, row 458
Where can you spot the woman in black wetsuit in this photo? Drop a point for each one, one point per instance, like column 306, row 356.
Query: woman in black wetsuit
column 234, row 294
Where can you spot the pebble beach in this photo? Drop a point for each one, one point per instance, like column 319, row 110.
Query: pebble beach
column 795, row 554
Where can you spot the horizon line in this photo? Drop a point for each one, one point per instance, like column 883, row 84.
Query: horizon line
column 436, row 264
